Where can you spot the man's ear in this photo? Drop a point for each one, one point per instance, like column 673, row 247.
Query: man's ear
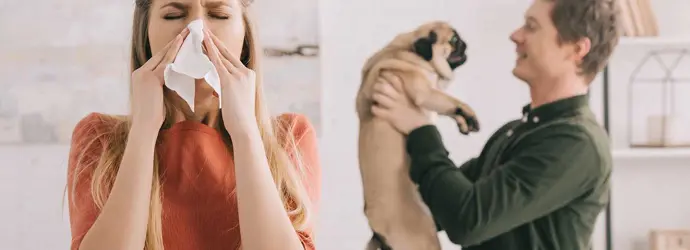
column 423, row 46
column 582, row 48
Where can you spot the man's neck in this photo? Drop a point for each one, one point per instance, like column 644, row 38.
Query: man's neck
column 557, row 89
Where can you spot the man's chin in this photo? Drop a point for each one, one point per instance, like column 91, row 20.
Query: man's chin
column 519, row 74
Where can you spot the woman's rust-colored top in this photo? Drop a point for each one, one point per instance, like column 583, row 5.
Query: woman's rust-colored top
column 198, row 182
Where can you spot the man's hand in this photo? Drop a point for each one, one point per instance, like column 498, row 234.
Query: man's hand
column 395, row 107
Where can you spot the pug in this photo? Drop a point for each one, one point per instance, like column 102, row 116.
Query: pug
column 424, row 59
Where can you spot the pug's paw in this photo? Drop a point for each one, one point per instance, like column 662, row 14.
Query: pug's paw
column 466, row 119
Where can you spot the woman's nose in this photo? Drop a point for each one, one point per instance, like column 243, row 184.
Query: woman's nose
column 195, row 14
column 202, row 17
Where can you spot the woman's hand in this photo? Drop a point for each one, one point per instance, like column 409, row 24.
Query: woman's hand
column 238, row 87
column 395, row 107
column 147, row 86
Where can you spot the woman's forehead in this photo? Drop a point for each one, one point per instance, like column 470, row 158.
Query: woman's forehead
column 205, row 3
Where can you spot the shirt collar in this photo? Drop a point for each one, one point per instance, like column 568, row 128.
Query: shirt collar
column 554, row 110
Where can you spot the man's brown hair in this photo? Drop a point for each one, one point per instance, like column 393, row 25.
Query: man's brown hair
column 593, row 19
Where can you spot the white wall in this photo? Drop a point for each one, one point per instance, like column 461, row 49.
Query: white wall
column 352, row 30
column 646, row 190
column 32, row 181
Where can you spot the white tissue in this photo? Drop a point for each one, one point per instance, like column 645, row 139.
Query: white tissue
column 191, row 63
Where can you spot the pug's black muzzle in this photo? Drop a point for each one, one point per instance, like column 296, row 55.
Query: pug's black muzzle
column 457, row 57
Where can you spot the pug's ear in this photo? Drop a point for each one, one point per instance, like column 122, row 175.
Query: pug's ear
column 423, row 46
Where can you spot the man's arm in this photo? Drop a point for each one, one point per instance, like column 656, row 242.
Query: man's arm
column 552, row 168
column 469, row 169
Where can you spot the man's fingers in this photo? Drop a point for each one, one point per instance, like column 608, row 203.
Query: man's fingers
column 383, row 101
column 385, row 88
column 393, row 79
column 379, row 112
column 156, row 59
column 224, row 51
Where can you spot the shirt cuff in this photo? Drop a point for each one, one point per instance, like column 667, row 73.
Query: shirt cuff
column 424, row 140
column 425, row 147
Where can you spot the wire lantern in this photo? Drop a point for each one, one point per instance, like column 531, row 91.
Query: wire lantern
column 665, row 129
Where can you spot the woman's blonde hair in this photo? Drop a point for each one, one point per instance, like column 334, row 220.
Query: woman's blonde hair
column 282, row 153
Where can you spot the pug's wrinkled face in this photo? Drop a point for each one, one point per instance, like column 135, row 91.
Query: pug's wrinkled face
column 457, row 56
column 440, row 44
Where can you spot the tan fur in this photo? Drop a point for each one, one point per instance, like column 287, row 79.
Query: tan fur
column 393, row 205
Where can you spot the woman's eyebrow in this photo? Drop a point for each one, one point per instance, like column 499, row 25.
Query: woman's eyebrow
column 177, row 5
column 216, row 4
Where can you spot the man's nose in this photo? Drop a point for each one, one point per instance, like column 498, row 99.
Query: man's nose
column 516, row 36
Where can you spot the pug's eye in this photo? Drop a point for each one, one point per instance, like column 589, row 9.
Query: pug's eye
column 454, row 42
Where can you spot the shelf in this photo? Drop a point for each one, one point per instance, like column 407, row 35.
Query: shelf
column 656, row 41
column 652, row 153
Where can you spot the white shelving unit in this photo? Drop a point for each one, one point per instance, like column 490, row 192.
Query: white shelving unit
column 669, row 153
column 652, row 153
column 634, row 156
column 655, row 41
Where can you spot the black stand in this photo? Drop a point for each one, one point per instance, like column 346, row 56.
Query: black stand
column 609, row 241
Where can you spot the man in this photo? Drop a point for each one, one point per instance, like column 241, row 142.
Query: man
column 541, row 181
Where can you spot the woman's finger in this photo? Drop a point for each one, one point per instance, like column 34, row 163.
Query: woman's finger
column 228, row 65
column 213, row 55
column 224, row 51
column 172, row 51
column 154, row 61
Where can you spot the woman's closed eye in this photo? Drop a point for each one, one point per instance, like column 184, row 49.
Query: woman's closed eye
column 219, row 15
column 215, row 15
column 173, row 16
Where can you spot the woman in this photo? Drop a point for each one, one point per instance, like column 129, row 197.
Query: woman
column 165, row 176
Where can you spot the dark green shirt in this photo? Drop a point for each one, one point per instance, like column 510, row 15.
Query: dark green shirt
column 539, row 183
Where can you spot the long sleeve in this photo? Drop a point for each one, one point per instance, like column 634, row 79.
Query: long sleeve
column 551, row 168
column 469, row 169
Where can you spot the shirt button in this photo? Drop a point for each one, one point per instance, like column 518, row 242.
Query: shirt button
column 509, row 133
column 535, row 119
